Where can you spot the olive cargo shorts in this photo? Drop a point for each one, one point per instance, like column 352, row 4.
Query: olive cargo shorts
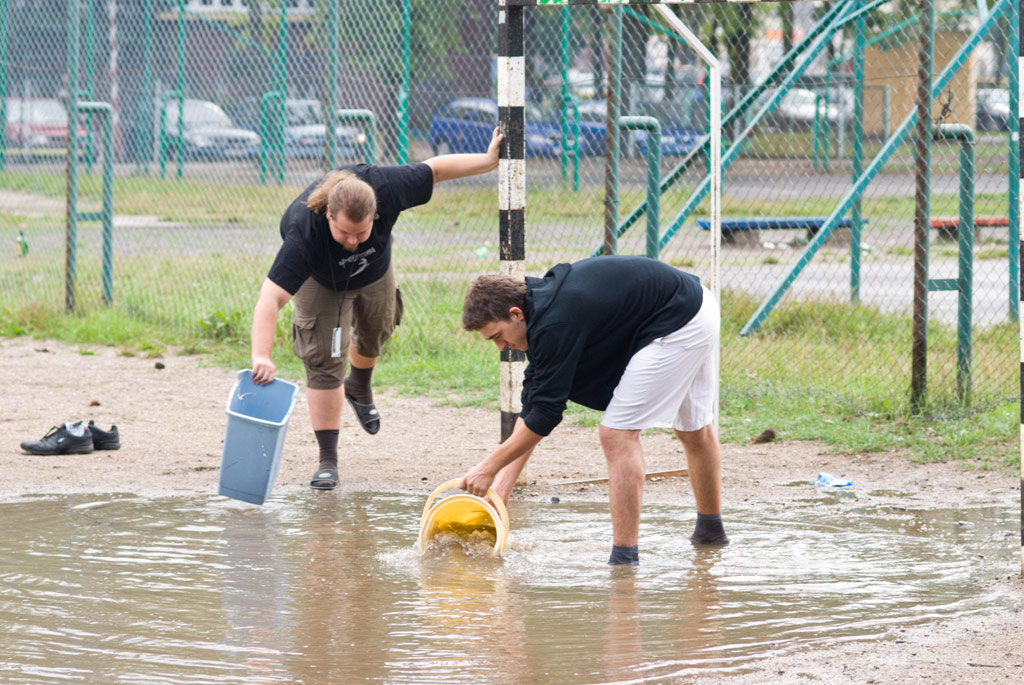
column 368, row 318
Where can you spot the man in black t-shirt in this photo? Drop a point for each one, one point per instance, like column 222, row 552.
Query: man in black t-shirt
column 631, row 336
column 336, row 262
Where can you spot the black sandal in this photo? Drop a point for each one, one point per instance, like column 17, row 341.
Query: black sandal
column 369, row 417
column 324, row 479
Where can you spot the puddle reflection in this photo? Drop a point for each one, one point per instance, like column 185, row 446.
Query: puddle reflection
column 329, row 588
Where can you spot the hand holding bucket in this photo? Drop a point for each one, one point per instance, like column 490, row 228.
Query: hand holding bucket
column 464, row 513
column 254, row 437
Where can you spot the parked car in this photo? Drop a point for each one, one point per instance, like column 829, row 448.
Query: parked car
column 37, row 127
column 676, row 139
column 993, row 109
column 305, row 130
column 466, row 124
column 207, row 133
column 801, row 107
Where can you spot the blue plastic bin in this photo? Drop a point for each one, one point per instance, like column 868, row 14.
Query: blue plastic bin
column 257, row 422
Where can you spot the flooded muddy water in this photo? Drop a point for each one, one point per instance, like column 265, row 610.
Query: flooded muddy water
column 328, row 588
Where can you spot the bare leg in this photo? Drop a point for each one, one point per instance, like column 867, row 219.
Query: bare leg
column 704, row 459
column 325, row 408
column 359, row 361
column 625, row 482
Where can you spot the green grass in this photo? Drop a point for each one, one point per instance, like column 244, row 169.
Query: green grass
column 829, row 372
column 990, row 151
column 453, row 210
column 829, row 382
column 992, row 253
column 174, row 200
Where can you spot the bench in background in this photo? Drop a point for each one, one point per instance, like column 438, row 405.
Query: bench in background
column 747, row 231
column 948, row 227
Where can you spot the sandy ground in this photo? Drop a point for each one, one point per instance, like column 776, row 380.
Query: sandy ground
column 172, row 422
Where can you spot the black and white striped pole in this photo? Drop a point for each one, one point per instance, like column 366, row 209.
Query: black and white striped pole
column 1020, row 189
column 511, row 189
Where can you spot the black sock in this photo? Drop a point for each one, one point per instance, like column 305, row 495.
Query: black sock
column 357, row 384
column 624, row 555
column 709, row 530
column 328, row 441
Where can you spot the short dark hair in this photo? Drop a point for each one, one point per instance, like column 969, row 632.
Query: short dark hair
column 489, row 299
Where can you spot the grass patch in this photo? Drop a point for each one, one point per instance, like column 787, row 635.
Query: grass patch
column 800, row 145
column 830, row 372
column 992, row 253
column 453, row 210
column 840, row 373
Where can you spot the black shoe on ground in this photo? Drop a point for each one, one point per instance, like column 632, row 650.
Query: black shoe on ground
column 59, row 440
column 104, row 440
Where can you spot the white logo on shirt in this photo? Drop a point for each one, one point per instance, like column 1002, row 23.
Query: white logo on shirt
column 359, row 260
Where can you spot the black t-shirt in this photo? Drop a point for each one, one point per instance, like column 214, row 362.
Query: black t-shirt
column 585, row 321
column 309, row 250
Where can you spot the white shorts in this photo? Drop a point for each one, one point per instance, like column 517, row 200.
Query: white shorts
column 673, row 381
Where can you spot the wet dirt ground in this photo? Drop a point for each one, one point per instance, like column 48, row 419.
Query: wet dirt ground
column 172, row 422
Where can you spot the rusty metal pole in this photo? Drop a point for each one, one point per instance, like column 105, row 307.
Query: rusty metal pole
column 922, row 207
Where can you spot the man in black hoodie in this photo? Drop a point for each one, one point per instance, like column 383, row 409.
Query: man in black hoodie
column 630, row 336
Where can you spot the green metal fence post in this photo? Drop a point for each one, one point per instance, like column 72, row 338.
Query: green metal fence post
column 857, row 154
column 826, row 125
column 144, row 113
column 886, row 111
column 653, row 128
column 3, row 83
column 333, row 76
column 181, row 87
column 162, row 136
column 965, row 265
column 71, row 213
column 403, row 92
column 282, row 87
column 106, row 214
column 963, row 284
column 564, row 54
column 87, row 91
column 368, row 120
column 568, row 149
column 271, row 138
column 818, row 134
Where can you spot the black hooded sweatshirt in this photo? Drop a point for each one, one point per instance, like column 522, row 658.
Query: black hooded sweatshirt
column 584, row 322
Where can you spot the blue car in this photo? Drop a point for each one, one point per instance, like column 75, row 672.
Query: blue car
column 466, row 125
column 676, row 139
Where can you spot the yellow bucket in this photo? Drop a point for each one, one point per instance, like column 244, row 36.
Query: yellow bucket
column 462, row 515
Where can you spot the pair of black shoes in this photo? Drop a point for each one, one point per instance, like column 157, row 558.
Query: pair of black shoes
column 64, row 439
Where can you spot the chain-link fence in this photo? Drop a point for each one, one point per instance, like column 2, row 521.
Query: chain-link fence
column 223, row 110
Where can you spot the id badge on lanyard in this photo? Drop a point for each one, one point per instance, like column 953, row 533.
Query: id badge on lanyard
column 336, row 342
